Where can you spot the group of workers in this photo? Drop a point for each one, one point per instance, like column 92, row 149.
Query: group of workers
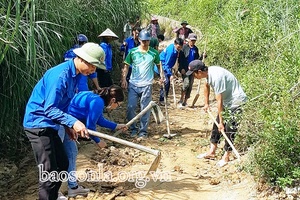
column 62, row 108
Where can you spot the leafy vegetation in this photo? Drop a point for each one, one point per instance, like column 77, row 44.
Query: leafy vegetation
column 259, row 42
column 33, row 37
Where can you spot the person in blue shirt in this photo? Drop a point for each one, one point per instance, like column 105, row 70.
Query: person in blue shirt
column 188, row 53
column 81, row 39
column 88, row 107
column 128, row 44
column 46, row 110
column 104, row 75
column 168, row 59
column 131, row 41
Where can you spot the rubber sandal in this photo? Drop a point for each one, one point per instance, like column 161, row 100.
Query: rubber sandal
column 205, row 156
column 221, row 163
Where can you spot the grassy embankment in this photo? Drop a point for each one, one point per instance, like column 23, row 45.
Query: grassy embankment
column 259, row 42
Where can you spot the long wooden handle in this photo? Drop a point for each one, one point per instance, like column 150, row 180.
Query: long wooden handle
column 150, row 105
column 174, row 95
column 204, row 52
column 165, row 100
column 198, row 87
column 225, row 136
column 124, row 142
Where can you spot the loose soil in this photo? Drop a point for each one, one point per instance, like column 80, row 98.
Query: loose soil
column 180, row 174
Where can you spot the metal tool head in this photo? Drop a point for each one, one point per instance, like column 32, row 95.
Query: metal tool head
column 157, row 114
column 169, row 136
column 155, row 164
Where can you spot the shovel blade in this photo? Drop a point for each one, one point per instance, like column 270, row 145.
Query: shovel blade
column 169, row 135
column 157, row 114
column 195, row 100
column 154, row 164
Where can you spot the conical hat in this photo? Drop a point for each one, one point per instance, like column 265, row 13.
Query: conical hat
column 108, row 33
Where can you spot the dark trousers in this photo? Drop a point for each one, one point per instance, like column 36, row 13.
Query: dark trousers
column 187, row 85
column 50, row 156
column 230, row 129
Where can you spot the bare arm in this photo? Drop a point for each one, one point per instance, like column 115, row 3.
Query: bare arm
column 206, row 96
column 124, row 74
column 95, row 81
column 220, row 110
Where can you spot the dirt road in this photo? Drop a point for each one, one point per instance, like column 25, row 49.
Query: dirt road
column 180, row 174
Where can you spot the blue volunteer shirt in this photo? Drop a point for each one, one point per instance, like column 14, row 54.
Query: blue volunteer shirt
column 88, row 107
column 130, row 44
column 168, row 59
column 69, row 55
column 192, row 54
column 50, row 98
column 108, row 55
column 82, row 82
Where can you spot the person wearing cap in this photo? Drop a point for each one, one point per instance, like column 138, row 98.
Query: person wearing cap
column 46, row 110
column 81, row 39
column 88, row 107
column 128, row 44
column 230, row 98
column 142, row 59
column 104, row 76
column 183, row 32
column 168, row 59
column 153, row 28
column 188, row 53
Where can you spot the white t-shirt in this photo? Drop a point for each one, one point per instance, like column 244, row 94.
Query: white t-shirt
column 224, row 82
column 127, row 30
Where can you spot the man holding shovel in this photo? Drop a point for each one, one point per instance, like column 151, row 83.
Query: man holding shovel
column 188, row 53
column 142, row 59
column 168, row 59
column 46, row 111
column 230, row 97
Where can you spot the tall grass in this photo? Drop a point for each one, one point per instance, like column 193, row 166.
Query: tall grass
column 259, row 42
column 33, row 37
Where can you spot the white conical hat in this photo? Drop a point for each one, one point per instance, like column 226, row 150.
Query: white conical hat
column 108, row 33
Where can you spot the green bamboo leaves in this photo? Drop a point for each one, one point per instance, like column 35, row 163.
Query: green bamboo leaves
column 34, row 34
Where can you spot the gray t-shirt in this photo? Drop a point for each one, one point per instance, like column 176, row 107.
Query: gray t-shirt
column 224, row 82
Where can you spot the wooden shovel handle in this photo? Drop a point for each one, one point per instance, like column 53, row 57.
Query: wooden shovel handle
column 124, row 142
column 225, row 136
column 150, row 105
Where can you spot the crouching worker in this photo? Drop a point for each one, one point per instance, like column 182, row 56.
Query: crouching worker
column 88, row 107
column 229, row 95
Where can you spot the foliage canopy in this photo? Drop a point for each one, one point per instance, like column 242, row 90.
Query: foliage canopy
column 259, row 42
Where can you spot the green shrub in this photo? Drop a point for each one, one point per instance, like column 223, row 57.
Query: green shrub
column 258, row 41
